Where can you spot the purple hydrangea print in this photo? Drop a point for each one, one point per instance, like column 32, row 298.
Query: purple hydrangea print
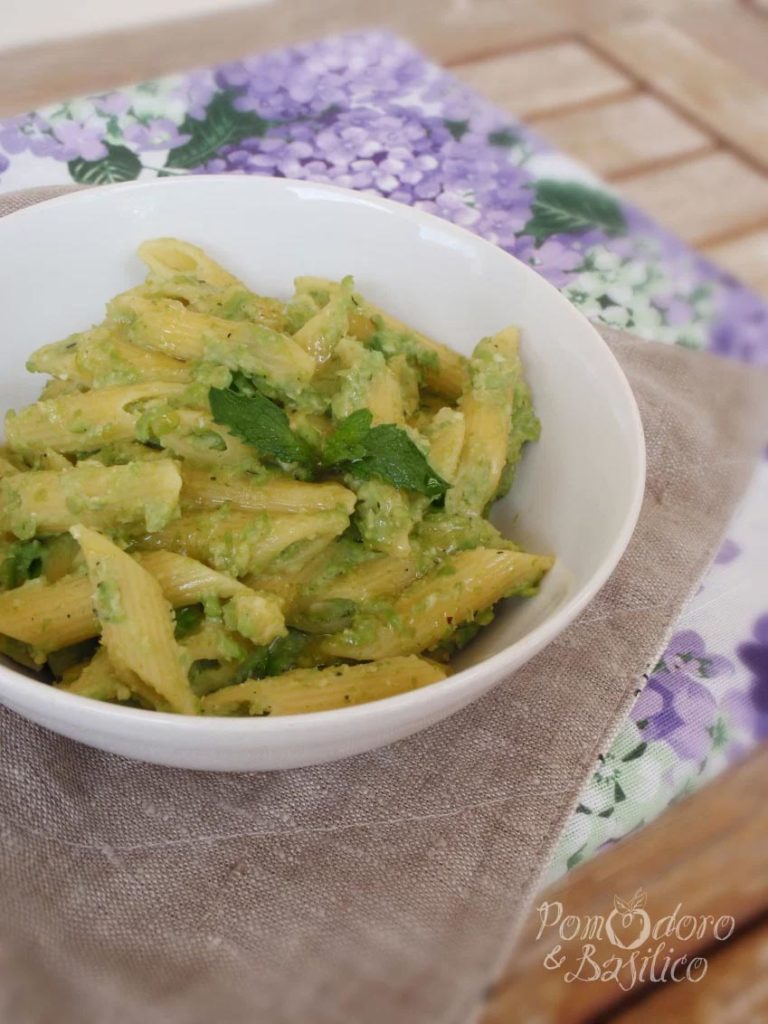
column 729, row 551
column 366, row 111
column 675, row 705
column 749, row 707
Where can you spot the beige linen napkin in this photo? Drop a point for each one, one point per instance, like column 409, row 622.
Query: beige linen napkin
column 385, row 888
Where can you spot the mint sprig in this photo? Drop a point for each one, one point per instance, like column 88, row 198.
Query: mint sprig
column 260, row 422
column 385, row 452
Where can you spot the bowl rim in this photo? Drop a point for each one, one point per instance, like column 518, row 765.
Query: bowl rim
column 531, row 643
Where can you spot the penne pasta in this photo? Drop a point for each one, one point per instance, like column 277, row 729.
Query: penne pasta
column 366, row 383
column 99, row 681
column 385, row 517
column 106, row 497
column 381, row 576
column 221, row 496
column 102, row 357
column 170, row 327
column 445, row 371
column 136, row 622
column 169, row 258
column 82, row 422
column 239, row 543
column 322, row 332
column 446, row 433
column 431, row 608
column 257, row 617
column 59, row 614
column 488, row 409
column 322, row 689
column 295, row 568
column 206, row 489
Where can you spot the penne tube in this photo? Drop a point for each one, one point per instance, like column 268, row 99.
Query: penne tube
column 239, row 543
column 446, row 434
column 192, row 435
column 322, row 689
column 105, row 497
column 295, row 568
column 82, row 422
column 98, row 680
column 257, row 617
column 255, row 349
column 445, row 371
column 213, row 642
column 136, row 622
column 488, row 409
column 320, row 335
column 59, row 614
column 428, row 611
column 377, row 577
column 209, row 489
column 113, row 361
column 168, row 258
column 385, row 517
column 483, row 456
column 57, row 359
column 366, row 383
column 102, row 357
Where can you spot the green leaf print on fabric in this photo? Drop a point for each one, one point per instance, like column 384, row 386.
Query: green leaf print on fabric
column 568, row 207
column 222, row 125
column 120, row 164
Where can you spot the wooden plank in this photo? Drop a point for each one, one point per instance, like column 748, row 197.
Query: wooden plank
column 733, row 990
column 625, row 136
column 714, row 91
column 545, row 79
column 706, row 853
column 459, row 32
column 733, row 30
column 746, row 257
column 705, row 199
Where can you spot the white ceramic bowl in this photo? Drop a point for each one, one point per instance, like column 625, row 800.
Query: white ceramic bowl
column 577, row 493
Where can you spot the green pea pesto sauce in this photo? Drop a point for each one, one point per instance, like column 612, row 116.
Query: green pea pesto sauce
column 108, row 602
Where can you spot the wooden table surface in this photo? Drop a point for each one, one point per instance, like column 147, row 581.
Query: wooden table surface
column 667, row 100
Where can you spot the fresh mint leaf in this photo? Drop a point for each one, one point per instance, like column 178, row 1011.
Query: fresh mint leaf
column 259, row 421
column 346, row 443
column 568, row 207
column 385, row 452
column 392, row 456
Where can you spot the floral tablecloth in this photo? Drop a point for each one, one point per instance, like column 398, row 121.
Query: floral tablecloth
column 367, row 111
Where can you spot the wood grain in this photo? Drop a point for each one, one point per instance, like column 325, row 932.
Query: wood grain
column 544, row 79
column 449, row 32
column 707, row 852
column 733, row 30
column 734, row 989
column 714, row 91
column 625, row 136
column 745, row 257
column 703, row 200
